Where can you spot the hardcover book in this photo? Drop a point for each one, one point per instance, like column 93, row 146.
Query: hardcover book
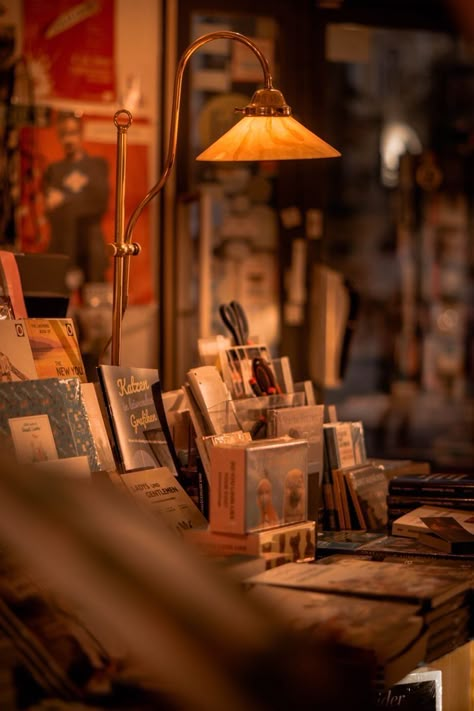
column 440, row 485
column 137, row 431
column 368, row 489
column 408, row 549
column 447, row 534
column 259, row 484
column 55, row 348
column 405, row 503
column 411, row 524
column 420, row 690
column 45, row 419
column 339, row 444
column 391, row 631
column 350, row 575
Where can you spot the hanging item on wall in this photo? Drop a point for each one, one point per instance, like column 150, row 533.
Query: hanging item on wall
column 70, row 47
column 66, row 204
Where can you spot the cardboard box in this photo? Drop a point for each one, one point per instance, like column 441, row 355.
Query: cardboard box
column 258, row 485
column 297, row 541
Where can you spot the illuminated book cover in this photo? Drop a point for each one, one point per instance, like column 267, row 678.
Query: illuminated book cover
column 55, row 348
column 135, row 423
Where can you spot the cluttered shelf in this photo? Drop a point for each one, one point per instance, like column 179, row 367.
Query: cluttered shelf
column 161, row 511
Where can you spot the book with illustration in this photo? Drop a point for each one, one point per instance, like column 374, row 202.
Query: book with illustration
column 259, row 484
column 16, row 357
column 159, row 492
column 137, row 431
column 367, row 487
column 55, row 348
column 45, row 419
column 412, row 524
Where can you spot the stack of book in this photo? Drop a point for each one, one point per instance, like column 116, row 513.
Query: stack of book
column 359, row 493
column 447, row 530
column 425, row 609
column 407, row 491
column 355, row 487
column 43, row 414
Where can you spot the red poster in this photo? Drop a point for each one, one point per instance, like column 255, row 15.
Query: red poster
column 41, row 149
column 69, row 46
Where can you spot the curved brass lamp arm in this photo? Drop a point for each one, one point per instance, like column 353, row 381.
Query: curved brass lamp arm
column 176, row 107
column 123, row 248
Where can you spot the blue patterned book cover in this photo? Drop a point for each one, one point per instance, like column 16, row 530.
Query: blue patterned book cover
column 45, row 419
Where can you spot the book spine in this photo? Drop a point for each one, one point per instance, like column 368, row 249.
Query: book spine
column 433, row 490
column 338, row 500
column 408, row 503
column 331, row 448
column 330, row 516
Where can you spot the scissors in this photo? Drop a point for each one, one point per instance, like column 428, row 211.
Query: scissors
column 234, row 318
column 263, row 378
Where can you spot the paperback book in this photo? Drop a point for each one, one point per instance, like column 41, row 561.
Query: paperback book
column 412, row 524
column 159, row 492
column 138, row 434
column 55, row 348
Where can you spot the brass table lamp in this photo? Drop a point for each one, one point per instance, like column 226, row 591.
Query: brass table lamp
column 267, row 131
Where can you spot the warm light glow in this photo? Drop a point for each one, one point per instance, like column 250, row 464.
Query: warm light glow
column 268, row 138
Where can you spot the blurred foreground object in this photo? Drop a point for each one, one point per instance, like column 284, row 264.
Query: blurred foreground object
column 164, row 619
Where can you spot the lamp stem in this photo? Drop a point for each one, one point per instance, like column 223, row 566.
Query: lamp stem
column 176, row 107
column 123, row 121
column 123, row 247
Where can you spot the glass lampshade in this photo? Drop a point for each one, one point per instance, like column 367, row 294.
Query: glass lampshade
column 268, row 138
